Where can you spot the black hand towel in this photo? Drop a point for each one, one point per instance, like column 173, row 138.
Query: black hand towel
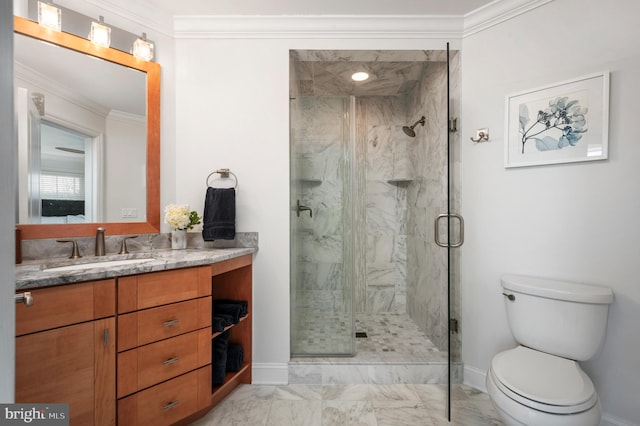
column 235, row 357
column 228, row 319
column 243, row 304
column 219, row 365
column 229, row 309
column 219, row 221
column 218, row 324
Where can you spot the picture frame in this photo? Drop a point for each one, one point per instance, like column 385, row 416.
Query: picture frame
column 563, row 122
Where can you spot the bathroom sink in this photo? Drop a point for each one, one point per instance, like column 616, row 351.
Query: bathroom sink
column 92, row 265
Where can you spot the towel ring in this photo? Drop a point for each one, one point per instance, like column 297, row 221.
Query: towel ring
column 224, row 174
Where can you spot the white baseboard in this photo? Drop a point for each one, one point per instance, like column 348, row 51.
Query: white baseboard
column 609, row 420
column 475, row 378
column 270, row 373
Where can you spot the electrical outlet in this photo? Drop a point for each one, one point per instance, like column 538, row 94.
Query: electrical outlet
column 129, row 212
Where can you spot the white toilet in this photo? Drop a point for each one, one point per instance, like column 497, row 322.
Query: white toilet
column 556, row 324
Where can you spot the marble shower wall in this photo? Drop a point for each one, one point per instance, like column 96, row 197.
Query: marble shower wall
column 380, row 206
column 320, row 150
column 426, row 199
column 383, row 162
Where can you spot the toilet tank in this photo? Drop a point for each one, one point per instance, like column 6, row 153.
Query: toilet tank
column 557, row 317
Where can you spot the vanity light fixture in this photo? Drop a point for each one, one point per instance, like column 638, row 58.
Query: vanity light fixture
column 359, row 76
column 143, row 48
column 49, row 16
column 100, row 33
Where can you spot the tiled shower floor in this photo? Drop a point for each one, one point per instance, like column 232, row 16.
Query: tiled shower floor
column 390, row 337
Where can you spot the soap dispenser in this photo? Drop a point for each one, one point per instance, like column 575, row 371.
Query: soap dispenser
column 100, row 242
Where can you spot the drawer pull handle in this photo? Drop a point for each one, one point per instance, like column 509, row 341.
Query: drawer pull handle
column 170, row 323
column 171, row 360
column 25, row 298
column 171, row 405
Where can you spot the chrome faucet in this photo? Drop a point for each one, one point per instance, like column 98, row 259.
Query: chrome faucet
column 100, row 242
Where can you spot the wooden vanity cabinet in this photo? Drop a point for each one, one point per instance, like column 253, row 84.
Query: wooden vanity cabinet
column 132, row 351
column 164, row 350
column 66, row 351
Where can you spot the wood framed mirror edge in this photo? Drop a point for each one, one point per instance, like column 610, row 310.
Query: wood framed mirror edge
column 152, row 70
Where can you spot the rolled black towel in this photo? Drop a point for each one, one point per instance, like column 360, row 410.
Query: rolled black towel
column 219, row 365
column 232, row 309
column 243, row 304
column 219, row 222
column 228, row 319
column 235, row 357
column 218, row 324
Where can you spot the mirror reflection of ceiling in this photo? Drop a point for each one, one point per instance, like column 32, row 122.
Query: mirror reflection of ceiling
column 391, row 73
column 99, row 83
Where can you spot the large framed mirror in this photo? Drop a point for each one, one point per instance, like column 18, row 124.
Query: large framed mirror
column 88, row 148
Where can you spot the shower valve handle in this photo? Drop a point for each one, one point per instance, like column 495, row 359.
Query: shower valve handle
column 301, row 208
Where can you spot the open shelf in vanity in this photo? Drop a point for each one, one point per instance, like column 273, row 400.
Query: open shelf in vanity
column 232, row 280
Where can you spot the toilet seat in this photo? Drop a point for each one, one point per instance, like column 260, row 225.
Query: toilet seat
column 543, row 382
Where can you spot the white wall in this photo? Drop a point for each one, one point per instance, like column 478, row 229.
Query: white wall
column 126, row 137
column 575, row 221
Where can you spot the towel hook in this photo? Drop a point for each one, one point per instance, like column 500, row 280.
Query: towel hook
column 224, row 174
column 482, row 135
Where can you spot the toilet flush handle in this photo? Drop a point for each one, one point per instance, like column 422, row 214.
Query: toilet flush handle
column 511, row 297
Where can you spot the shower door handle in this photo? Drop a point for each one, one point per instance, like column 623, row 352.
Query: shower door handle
column 301, row 208
column 436, row 235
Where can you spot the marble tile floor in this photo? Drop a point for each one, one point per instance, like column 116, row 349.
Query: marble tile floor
column 346, row 405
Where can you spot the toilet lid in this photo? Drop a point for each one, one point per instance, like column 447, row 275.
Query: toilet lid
column 542, row 381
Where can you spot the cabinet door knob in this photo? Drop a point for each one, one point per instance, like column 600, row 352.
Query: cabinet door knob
column 25, row 298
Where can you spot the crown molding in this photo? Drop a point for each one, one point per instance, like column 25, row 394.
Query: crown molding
column 140, row 12
column 126, row 117
column 319, row 26
column 496, row 12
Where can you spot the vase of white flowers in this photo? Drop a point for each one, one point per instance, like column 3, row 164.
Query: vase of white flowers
column 180, row 219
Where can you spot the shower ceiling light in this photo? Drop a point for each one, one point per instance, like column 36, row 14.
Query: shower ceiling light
column 49, row 16
column 360, row 76
column 100, row 33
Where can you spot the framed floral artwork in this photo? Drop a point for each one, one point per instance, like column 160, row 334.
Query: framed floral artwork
column 560, row 123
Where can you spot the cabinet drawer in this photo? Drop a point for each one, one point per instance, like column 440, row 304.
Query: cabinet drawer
column 65, row 305
column 161, row 288
column 167, row 402
column 147, row 365
column 150, row 325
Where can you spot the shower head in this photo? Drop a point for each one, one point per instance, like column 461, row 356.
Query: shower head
column 408, row 130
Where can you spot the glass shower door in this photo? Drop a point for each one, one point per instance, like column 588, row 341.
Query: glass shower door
column 322, row 314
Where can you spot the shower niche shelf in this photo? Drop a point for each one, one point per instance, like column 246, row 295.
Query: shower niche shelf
column 311, row 182
column 400, row 181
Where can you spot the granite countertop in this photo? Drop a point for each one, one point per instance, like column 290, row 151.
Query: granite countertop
column 35, row 274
